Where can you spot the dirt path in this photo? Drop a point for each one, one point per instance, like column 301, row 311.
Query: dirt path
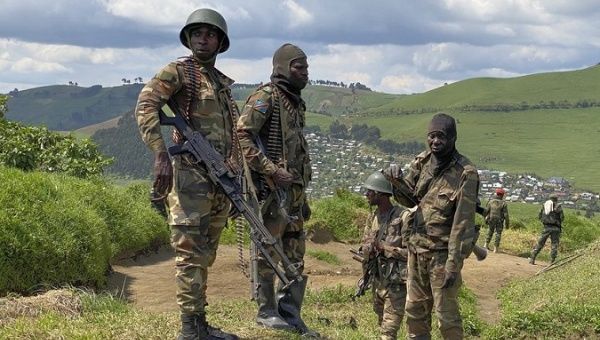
column 149, row 281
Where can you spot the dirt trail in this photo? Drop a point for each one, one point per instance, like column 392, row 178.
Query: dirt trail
column 149, row 281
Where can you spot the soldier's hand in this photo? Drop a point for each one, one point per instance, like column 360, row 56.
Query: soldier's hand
column 393, row 172
column 449, row 279
column 282, row 178
column 163, row 173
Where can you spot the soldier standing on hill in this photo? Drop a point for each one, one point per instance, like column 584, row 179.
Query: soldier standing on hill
column 198, row 210
column 496, row 217
column 382, row 242
column 271, row 133
column 551, row 215
column 442, row 185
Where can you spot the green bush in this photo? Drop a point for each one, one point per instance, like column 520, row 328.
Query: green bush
column 344, row 215
column 56, row 229
column 36, row 148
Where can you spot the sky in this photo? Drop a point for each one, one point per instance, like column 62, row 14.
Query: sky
column 393, row 46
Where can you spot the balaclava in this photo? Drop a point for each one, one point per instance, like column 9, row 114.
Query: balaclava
column 444, row 123
column 282, row 60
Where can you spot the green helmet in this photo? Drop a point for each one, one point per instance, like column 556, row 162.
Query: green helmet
column 553, row 196
column 205, row 16
column 377, row 182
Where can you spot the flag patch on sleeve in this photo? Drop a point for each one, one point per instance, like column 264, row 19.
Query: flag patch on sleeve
column 260, row 106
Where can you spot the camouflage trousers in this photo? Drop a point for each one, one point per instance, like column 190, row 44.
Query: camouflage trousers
column 495, row 226
column 287, row 226
column 388, row 304
column 198, row 213
column 554, row 233
column 426, row 273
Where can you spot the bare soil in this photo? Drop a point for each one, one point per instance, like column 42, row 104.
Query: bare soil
column 149, row 281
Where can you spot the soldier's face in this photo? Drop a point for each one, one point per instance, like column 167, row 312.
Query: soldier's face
column 204, row 41
column 438, row 142
column 299, row 73
column 372, row 197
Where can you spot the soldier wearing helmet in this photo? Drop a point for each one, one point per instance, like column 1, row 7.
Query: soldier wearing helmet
column 496, row 217
column 382, row 242
column 271, row 130
column 198, row 210
column 551, row 215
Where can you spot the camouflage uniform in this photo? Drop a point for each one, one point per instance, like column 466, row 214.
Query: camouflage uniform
column 198, row 210
column 443, row 220
column 389, row 281
column 285, row 223
column 552, row 228
column 496, row 218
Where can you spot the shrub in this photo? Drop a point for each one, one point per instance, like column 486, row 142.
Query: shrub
column 56, row 229
column 35, row 148
column 344, row 215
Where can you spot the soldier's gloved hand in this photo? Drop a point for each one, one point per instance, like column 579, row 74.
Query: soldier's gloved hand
column 282, row 178
column 163, row 173
column 393, row 172
column 449, row 279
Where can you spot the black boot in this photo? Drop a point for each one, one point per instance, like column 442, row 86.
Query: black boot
column 290, row 306
column 195, row 327
column 267, row 315
column 189, row 329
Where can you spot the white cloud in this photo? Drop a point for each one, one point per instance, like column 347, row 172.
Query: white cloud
column 28, row 65
column 298, row 16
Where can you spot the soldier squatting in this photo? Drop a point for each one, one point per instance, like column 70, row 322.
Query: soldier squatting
column 412, row 254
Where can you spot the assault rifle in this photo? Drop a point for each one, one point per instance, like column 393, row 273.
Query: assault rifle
column 369, row 269
column 203, row 152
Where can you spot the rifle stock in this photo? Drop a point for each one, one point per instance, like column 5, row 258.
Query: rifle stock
column 218, row 172
column 368, row 271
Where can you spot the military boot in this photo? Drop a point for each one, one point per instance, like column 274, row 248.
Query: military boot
column 189, row 329
column 290, row 306
column 209, row 332
column 268, row 315
column 534, row 254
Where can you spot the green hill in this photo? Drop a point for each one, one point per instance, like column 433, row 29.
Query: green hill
column 552, row 89
column 63, row 107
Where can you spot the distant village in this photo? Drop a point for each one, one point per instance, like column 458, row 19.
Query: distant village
column 345, row 164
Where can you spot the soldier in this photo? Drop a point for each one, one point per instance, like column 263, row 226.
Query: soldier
column 198, row 209
column 496, row 217
column 551, row 215
column 271, row 134
column 442, row 184
column 382, row 243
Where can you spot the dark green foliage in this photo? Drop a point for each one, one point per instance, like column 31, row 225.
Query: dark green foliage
column 344, row 215
column 124, row 144
column 35, row 148
column 57, row 230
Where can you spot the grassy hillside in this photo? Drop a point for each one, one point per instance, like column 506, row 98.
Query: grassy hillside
column 62, row 107
column 543, row 87
column 559, row 304
column 545, row 142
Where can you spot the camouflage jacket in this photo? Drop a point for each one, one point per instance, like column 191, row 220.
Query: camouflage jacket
column 254, row 127
column 497, row 211
column 446, row 205
column 206, row 99
column 392, row 260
